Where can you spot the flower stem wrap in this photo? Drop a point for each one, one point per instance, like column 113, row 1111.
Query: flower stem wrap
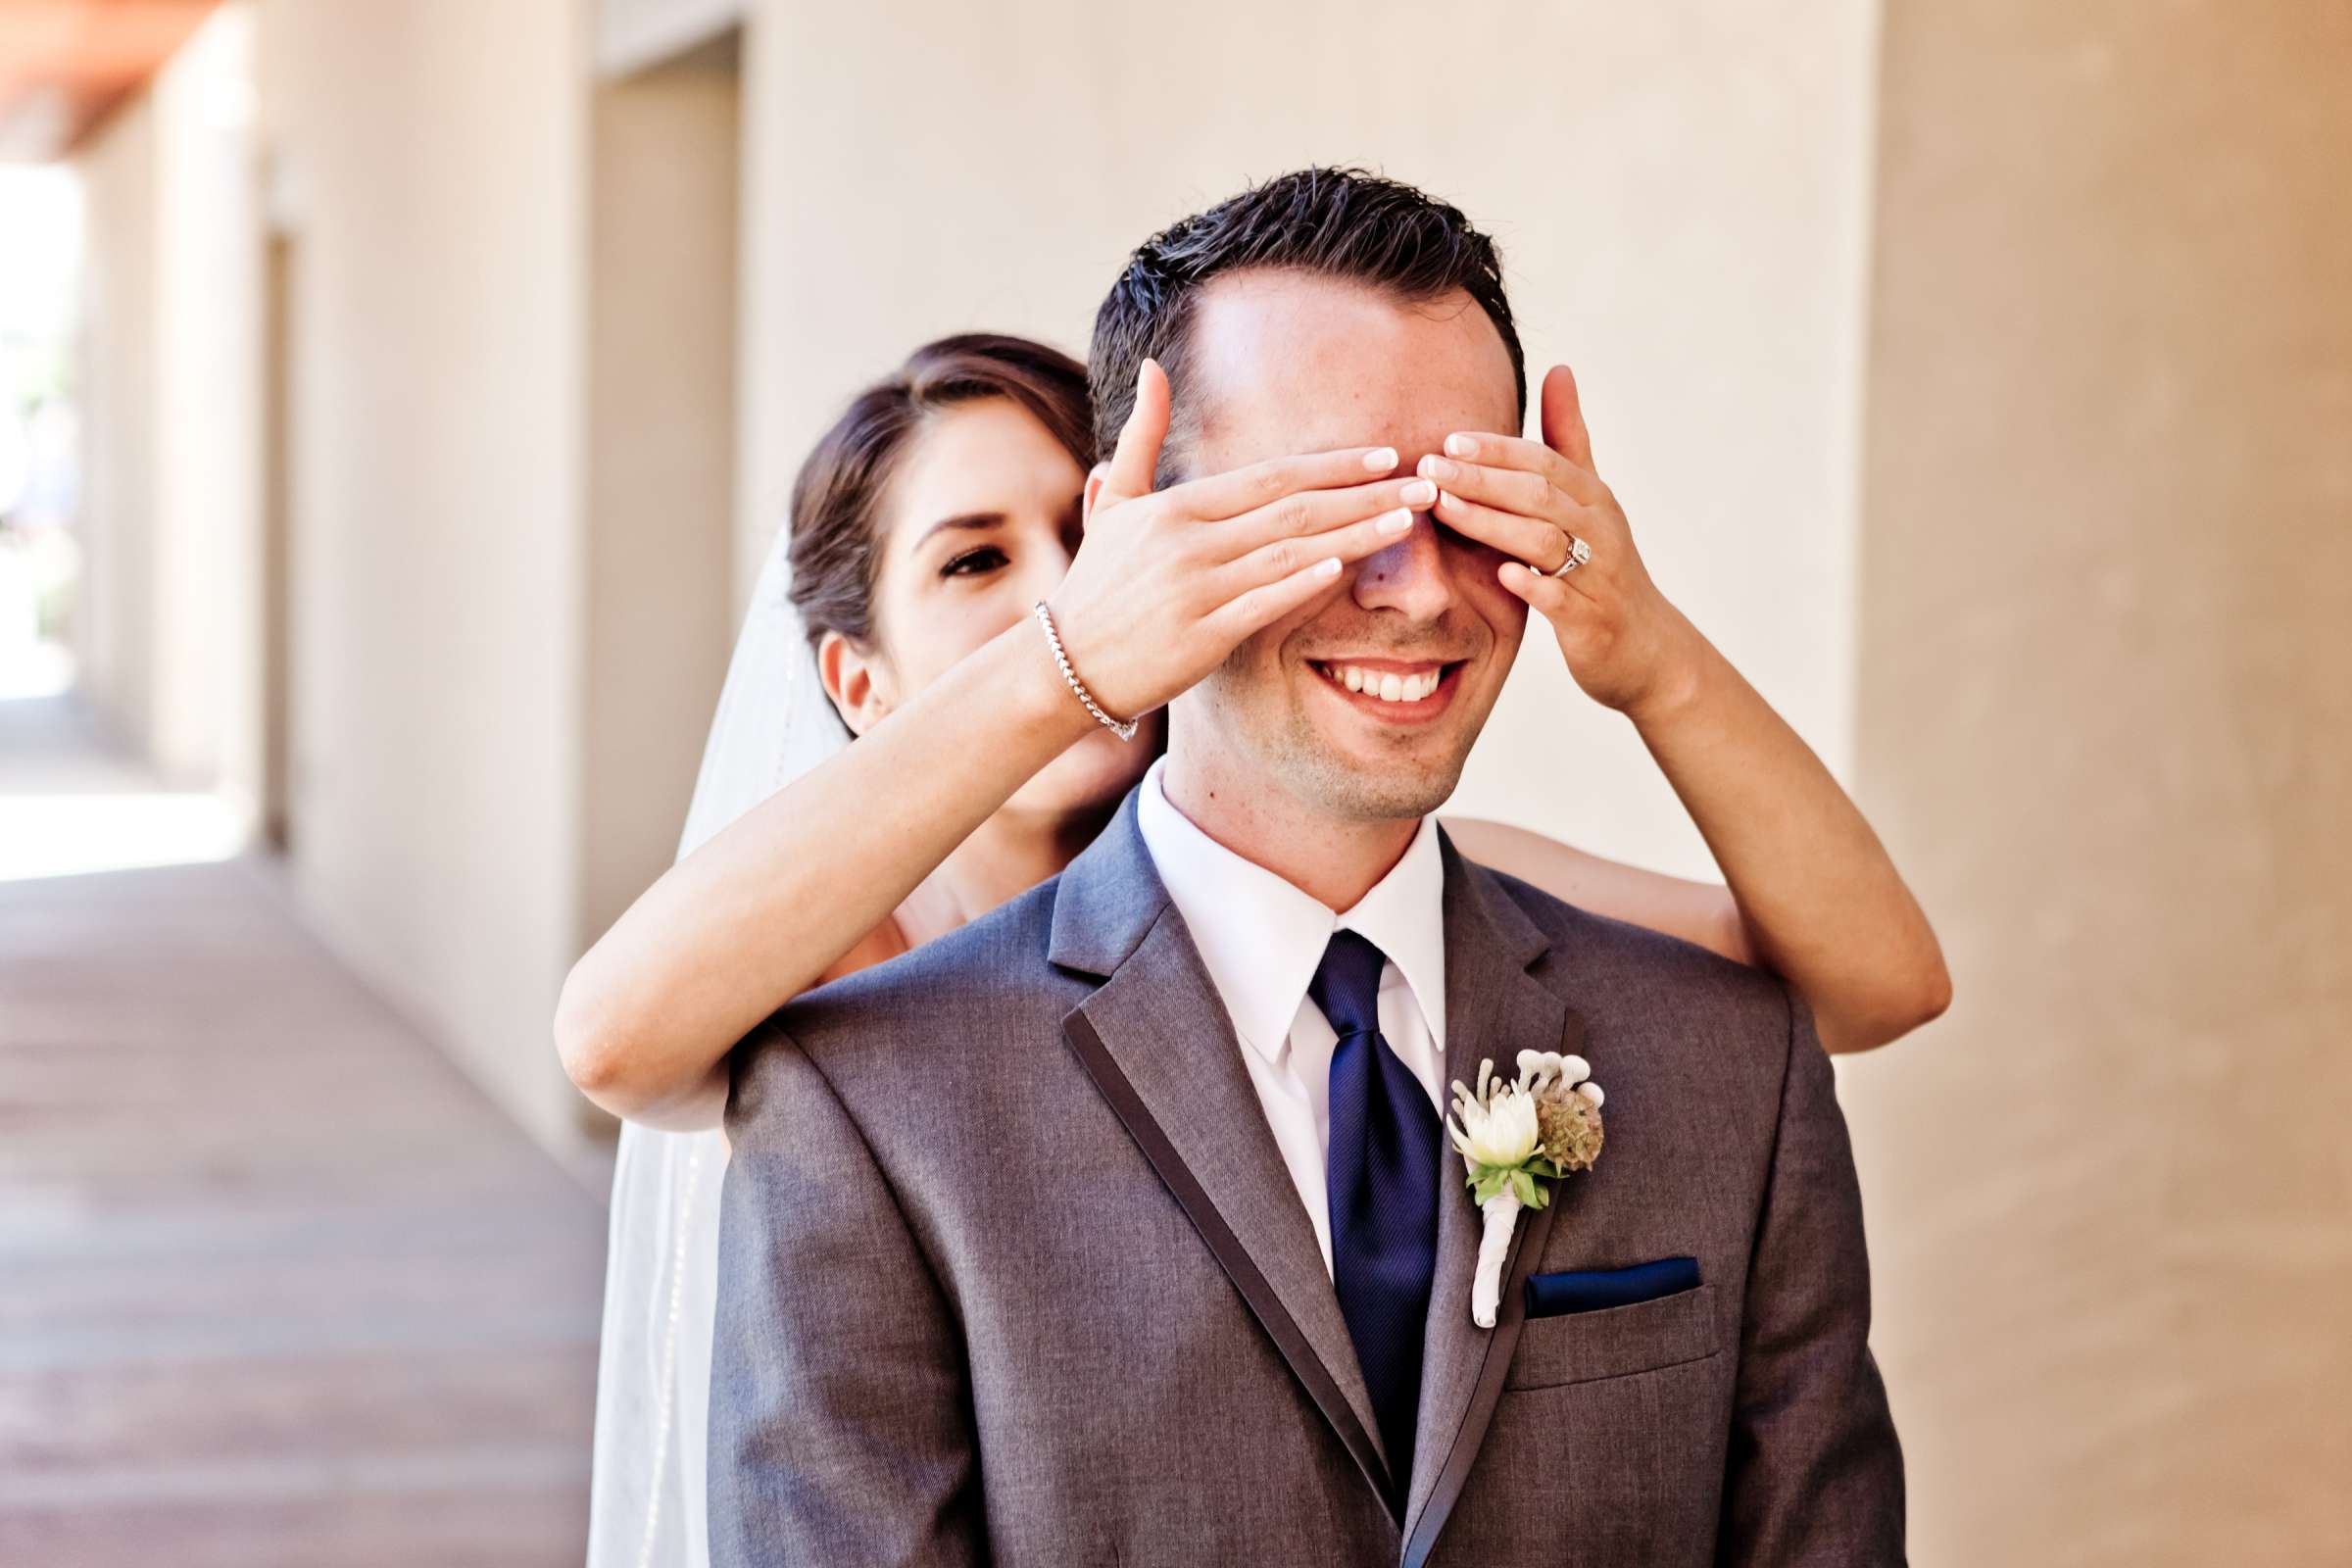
column 1501, row 1213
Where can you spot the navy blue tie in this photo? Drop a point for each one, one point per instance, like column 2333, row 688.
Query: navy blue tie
column 1382, row 1173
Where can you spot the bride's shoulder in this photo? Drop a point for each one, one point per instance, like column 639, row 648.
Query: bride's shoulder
column 1507, row 847
column 1562, row 870
column 1614, row 965
column 882, row 944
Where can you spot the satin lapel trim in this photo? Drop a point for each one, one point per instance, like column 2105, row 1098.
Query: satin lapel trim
column 1446, row 1480
column 1157, row 1041
column 1495, row 1009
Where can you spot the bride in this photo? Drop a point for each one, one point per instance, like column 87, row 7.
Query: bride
column 944, row 504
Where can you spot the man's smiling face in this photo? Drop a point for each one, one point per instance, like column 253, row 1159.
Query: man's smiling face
column 1364, row 702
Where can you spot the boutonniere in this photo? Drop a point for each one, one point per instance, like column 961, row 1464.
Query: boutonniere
column 1513, row 1134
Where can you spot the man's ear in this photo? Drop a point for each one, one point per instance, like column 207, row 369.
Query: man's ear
column 849, row 674
column 1093, row 487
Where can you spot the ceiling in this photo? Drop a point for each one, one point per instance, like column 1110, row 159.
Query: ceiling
column 63, row 64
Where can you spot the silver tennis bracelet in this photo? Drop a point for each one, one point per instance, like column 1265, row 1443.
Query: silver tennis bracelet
column 1124, row 730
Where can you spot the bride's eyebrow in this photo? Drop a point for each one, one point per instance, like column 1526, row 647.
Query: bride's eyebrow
column 967, row 520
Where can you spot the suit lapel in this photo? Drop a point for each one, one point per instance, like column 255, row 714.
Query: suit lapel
column 1495, row 1009
column 1157, row 1042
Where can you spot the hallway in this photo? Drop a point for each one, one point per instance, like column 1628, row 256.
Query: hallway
column 277, row 1284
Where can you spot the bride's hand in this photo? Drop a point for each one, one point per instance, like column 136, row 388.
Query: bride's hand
column 1167, row 583
column 1625, row 644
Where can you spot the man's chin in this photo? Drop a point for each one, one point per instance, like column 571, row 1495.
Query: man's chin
column 1374, row 788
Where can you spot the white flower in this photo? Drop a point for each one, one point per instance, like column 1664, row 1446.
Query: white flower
column 1538, row 1069
column 1501, row 1131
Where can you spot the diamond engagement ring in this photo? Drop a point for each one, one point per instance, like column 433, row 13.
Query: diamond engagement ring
column 1578, row 552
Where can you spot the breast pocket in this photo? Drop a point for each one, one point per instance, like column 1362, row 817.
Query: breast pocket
column 1615, row 1342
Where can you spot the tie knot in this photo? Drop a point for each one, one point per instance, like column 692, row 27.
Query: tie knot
column 1347, row 983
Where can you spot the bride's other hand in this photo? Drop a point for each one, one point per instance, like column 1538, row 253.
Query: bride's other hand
column 1625, row 644
column 1813, row 894
column 1167, row 583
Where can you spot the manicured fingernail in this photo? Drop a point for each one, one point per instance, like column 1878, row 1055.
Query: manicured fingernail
column 1447, row 498
column 1420, row 493
column 1328, row 567
column 1461, row 445
column 1381, row 460
column 1434, row 468
column 1396, row 521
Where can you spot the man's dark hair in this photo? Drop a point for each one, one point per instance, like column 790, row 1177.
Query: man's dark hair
column 1337, row 223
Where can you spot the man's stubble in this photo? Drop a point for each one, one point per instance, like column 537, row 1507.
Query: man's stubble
column 1291, row 754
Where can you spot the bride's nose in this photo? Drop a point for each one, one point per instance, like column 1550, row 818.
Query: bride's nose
column 1038, row 577
column 1047, row 565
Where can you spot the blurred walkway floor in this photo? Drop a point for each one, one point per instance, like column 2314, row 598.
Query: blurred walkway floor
column 278, row 1285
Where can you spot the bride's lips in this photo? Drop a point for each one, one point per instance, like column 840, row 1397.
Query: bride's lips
column 1439, row 679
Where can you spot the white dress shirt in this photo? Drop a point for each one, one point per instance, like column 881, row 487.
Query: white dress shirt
column 1261, row 940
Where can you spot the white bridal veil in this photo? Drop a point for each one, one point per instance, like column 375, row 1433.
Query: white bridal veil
column 653, row 1398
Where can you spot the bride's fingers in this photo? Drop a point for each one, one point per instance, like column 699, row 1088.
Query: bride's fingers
column 1313, row 511
column 1285, row 558
column 1555, row 599
column 1223, row 497
column 1136, row 459
column 1253, row 610
column 1563, row 418
column 1538, row 541
column 1503, row 468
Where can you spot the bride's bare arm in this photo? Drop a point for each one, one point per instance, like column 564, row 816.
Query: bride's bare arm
column 1813, row 895
column 777, row 899
column 799, row 888
column 1817, row 899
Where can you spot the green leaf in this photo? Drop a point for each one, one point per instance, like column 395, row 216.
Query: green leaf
column 1485, row 1181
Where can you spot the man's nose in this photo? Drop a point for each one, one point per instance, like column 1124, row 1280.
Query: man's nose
column 1409, row 576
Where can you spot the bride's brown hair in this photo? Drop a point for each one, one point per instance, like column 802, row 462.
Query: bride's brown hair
column 837, row 500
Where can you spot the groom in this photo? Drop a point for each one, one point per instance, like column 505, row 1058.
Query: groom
column 1120, row 1227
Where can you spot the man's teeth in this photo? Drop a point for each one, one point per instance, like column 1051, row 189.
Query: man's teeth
column 1385, row 684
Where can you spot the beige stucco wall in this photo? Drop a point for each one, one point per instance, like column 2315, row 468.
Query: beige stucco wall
column 115, row 607
column 1681, row 191
column 429, row 159
column 2106, row 725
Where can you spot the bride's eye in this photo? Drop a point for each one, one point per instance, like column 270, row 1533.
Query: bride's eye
column 982, row 558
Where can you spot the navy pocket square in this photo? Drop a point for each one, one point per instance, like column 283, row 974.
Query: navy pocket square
column 1591, row 1290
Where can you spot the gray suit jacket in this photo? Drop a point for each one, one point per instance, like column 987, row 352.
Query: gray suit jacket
column 1012, row 1270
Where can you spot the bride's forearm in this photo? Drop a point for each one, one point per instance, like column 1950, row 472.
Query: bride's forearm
column 771, row 904
column 1821, row 900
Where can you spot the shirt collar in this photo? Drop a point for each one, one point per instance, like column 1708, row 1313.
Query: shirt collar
column 1261, row 939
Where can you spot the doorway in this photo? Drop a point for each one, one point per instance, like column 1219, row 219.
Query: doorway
column 661, row 456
